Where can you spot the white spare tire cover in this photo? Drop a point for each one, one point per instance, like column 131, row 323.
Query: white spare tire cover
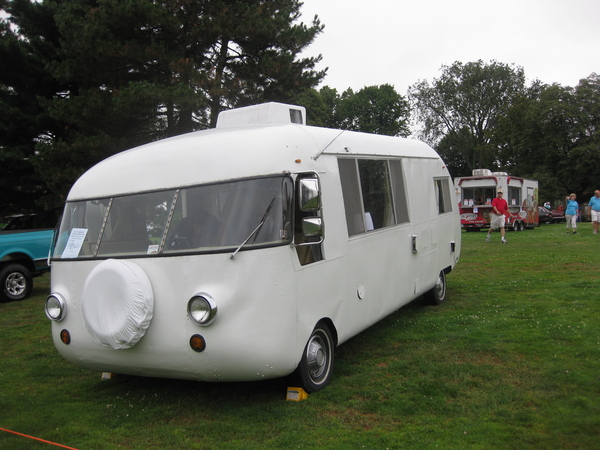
column 117, row 303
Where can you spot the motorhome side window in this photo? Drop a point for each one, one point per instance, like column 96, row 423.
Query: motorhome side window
column 442, row 195
column 210, row 218
column 374, row 194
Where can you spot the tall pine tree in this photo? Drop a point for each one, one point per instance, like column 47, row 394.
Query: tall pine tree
column 125, row 72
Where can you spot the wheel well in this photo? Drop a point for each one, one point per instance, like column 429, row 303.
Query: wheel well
column 20, row 258
column 327, row 321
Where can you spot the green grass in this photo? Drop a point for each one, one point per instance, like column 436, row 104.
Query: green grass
column 510, row 361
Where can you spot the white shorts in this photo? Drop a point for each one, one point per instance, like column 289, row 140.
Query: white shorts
column 595, row 216
column 497, row 221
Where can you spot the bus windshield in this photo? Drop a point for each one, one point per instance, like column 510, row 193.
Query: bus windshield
column 208, row 218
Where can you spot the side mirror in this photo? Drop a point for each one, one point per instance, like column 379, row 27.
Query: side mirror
column 312, row 227
column 308, row 195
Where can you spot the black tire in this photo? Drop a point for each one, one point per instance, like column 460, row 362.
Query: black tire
column 16, row 282
column 437, row 294
column 316, row 365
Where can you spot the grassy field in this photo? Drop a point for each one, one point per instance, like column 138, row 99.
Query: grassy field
column 510, row 361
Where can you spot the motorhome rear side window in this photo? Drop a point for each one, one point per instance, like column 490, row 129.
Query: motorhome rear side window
column 374, row 194
column 442, row 195
column 399, row 190
column 209, row 218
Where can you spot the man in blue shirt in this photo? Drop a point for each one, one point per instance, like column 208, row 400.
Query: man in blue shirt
column 595, row 207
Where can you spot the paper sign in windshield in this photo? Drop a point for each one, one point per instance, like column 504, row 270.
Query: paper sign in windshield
column 74, row 243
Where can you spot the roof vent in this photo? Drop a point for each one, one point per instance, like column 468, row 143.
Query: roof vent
column 482, row 172
column 265, row 113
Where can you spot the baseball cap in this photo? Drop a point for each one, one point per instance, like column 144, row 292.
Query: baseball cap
column 500, row 191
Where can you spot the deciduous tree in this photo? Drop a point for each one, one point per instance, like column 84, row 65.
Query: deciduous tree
column 372, row 109
column 553, row 134
column 463, row 105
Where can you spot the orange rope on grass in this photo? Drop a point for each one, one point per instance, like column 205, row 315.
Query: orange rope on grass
column 37, row 439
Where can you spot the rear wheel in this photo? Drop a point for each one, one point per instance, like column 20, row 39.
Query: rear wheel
column 437, row 294
column 16, row 282
column 315, row 368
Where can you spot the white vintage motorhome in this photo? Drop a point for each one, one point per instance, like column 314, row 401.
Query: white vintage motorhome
column 248, row 251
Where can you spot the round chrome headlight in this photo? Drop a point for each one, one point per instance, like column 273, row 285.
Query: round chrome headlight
column 56, row 307
column 202, row 309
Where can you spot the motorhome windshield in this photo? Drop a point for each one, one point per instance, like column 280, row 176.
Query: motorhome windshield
column 208, row 218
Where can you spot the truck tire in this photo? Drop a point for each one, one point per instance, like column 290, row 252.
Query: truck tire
column 16, row 282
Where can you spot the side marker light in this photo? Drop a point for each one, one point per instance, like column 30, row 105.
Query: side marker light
column 197, row 343
column 65, row 337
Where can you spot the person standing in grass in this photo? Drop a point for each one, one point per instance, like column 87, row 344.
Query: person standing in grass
column 499, row 215
column 595, row 207
column 571, row 213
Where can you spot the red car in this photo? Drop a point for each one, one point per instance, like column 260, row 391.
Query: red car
column 545, row 215
column 551, row 216
column 557, row 216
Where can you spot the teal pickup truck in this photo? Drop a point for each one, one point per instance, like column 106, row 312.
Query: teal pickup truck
column 25, row 242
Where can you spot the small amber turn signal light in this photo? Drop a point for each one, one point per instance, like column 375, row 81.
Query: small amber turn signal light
column 197, row 343
column 65, row 337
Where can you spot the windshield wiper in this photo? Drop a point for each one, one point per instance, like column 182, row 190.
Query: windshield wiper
column 256, row 230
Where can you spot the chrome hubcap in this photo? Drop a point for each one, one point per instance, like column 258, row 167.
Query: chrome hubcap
column 15, row 284
column 316, row 356
column 439, row 287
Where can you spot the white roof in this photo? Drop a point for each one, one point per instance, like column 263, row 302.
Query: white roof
column 229, row 153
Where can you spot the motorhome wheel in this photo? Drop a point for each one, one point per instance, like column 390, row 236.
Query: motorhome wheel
column 437, row 294
column 315, row 368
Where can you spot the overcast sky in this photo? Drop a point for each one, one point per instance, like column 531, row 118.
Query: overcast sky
column 372, row 42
